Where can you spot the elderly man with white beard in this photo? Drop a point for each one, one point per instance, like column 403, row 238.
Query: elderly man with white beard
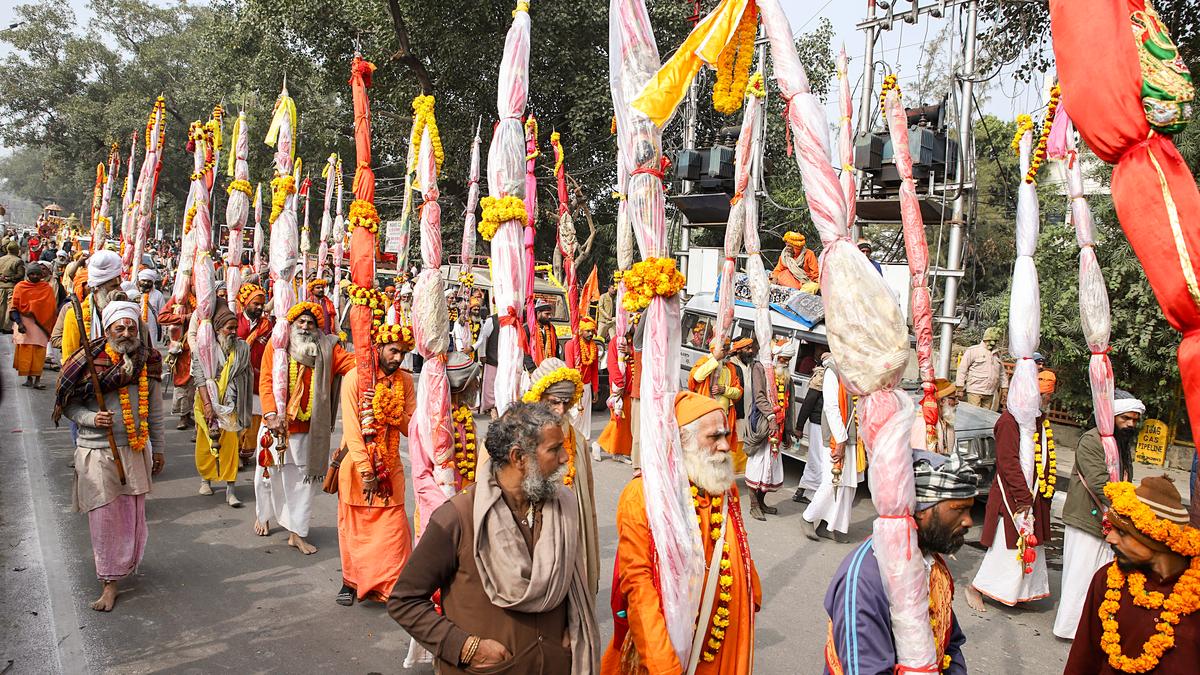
column 129, row 374
column 725, row 628
column 947, row 442
column 294, row 456
column 219, row 422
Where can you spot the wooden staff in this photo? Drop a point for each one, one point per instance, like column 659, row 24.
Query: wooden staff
column 91, row 369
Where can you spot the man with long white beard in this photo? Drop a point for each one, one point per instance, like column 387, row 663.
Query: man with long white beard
column 947, row 442
column 295, row 454
column 104, row 279
column 725, row 628
column 1084, row 548
column 129, row 374
column 220, row 422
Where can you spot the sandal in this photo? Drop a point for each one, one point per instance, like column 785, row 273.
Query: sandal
column 345, row 597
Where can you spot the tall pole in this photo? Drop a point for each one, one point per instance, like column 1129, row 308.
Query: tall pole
column 966, row 145
column 867, row 110
column 689, row 143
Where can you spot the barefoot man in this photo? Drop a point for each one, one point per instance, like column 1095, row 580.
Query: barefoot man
column 290, row 472
column 129, row 374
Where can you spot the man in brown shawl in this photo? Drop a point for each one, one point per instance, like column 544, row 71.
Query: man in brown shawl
column 506, row 557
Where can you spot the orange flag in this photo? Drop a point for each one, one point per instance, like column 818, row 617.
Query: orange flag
column 590, row 293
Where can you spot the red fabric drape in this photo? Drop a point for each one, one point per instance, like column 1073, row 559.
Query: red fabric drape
column 1102, row 93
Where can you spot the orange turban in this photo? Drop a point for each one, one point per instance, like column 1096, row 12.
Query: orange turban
column 586, row 323
column 944, row 387
column 794, row 239
column 742, row 344
column 690, row 406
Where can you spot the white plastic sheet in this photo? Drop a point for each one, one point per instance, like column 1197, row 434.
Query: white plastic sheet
column 1024, row 316
column 283, row 249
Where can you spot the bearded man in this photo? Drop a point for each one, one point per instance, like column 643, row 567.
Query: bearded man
column 725, row 628
column 1140, row 613
column 797, row 266
column 947, row 402
column 545, row 339
column 151, row 301
column 129, row 374
column 716, row 377
column 220, row 422
column 981, row 375
column 12, row 271
column 833, row 501
column 177, row 317
column 505, row 556
column 32, row 316
column 316, row 288
column 861, row 638
column 1084, row 549
column 582, row 354
column 292, row 468
column 373, row 532
column 254, row 327
column 561, row 388
column 770, row 428
column 104, row 280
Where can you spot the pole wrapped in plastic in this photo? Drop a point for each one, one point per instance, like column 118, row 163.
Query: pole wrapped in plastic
column 258, row 230
column 568, row 243
column 869, row 341
column 237, row 208
column 329, row 173
column 283, row 248
column 101, row 223
column 338, row 233
column 737, row 225
column 142, row 206
column 633, row 60
column 503, row 218
column 468, row 240
column 203, row 139
column 363, row 224
column 127, row 190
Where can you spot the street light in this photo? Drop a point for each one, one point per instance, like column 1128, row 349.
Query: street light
column 13, row 26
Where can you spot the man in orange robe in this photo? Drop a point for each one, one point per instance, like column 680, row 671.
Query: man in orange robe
column 641, row 643
column 797, row 266
column 290, row 472
column 715, row 377
column 373, row 532
column 32, row 312
column 619, row 436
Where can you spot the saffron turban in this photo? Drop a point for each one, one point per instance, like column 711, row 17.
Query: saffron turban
column 742, row 344
column 794, row 239
column 690, row 406
column 944, row 387
column 103, row 267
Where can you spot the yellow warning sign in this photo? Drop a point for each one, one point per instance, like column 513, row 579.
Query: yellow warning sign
column 1151, row 443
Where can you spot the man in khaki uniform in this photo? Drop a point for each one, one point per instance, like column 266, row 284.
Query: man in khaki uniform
column 981, row 374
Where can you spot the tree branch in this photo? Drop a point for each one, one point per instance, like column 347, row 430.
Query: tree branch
column 586, row 249
column 404, row 55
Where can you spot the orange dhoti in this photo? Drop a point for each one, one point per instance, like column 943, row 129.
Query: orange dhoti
column 29, row 360
column 375, row 543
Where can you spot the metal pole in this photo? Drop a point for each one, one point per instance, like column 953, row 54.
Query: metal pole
column 966, row 145
column 867, row 108
column 689, row 143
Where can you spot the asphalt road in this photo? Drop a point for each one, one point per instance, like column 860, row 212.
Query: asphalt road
column 211, row 596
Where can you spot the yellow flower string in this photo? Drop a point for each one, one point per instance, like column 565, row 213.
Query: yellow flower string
column 720, row 619
column 733, row 65
column 281, row 188
column 424, row 117
column 757, row 87
column 160, row 106
column 1047, row 479
column 531, row 129
column 371, row 298
column 564, row 374
column 388, row 403
column 464, row 442
column 497, row 211
column 1183, row 540
column 240, row 185
column 889, row 84
column 648, row 278
column 1039, row 151
column 362, row 214
column 138, row 432
column 1183, row 601
column 1024, row 123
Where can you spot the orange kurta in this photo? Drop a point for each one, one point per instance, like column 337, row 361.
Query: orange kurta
column 635, row 588
column 617, row 437
column 784, row 277
column 341, row 363
column 374, row 538
column 733, row 392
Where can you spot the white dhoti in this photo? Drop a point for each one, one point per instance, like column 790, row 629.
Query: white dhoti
column 1083, row 555
column 832, row 504
column 816, row 462
column 764, row 470
column 583, row 415
column 1002, row 577
column 286, row 496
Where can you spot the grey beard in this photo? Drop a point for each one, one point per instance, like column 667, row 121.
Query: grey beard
column 125, row 347
column 948, row 414
column 226, row 342
column 101, row 297
column 539, row 488
column 714, row 474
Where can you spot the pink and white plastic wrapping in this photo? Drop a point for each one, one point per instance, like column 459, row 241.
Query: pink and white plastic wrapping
column 305, row 241
column 633, row 60
column 282, row 256
column 258, row 230
column 338, row 233
column 143, row 199
column 203, row 275
column 237, row 209
column 738, row 222
column 99, row 232
column 130, row 186
column 1025, row 316
column 330, row 174
column 846, row 137
column 506, row 176
column 531, row 205
column 915, row 247
column 868, row 337
column 470, row 223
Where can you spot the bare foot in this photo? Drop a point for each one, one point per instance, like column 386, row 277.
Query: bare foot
column 107, row 599
column 975, row 600
column 262, row 529
column 301, row 545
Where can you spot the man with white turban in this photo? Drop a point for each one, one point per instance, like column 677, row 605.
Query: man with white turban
column 103, row 281
column 129, row 374
column 151, row 301
column 835, row 496
column 1084, row 548
column 770, row 426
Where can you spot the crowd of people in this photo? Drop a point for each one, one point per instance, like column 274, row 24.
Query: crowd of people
column 499, row 565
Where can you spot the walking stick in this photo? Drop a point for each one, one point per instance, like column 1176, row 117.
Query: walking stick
column 91, row 368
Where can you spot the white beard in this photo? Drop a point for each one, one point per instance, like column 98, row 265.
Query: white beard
column 712, row 473
column 227, row 342
column 947, row 413
column 303, row 347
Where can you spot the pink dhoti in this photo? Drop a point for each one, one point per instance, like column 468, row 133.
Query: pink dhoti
column 118, row 536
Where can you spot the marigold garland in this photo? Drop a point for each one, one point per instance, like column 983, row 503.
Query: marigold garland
column 240, row 185
column 302, row 307
column 138, row 439
column 564, row 374
column 388, row 333
column 160, row 106
column 388, row 403
column 1039, row 149
column 369, row 297
column 1045, row 479
column 188, row 218
column 497, row 211
column 757, row 86
column 720, row 619
column 531, row 129
column 464, row 442
column 305, row 413
column 648, row 278
column 733, row 65
column 1183, row 601
column 362, row 214
column 890, row 83
column 281, row 188
column 1024, row 123
column 587, row 352
column 424, row 117
column 1179, row 538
